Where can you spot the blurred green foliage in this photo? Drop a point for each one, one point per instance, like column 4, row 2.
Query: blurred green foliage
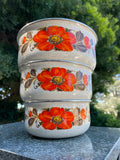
column 101, row 15
column 100, row 118
column 10, row 113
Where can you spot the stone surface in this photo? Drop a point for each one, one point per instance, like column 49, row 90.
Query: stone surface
column 114, row 152
column 95, row 144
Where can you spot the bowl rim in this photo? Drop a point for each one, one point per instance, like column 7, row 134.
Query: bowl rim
column 57, row 100
column 27, row 64
column 25, row 27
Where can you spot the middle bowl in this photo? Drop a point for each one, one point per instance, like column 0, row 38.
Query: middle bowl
column 55, row 80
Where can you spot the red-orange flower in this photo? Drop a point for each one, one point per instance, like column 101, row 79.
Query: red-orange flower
column 56, row 78
column 24, row 40
column 87, row 42
column 85, row 80
column 83, row 114
column 28, row 75
column 56, row 37
column 30, row 114
column 56, row 117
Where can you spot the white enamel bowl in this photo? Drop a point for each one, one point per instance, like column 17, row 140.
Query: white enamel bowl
column 54, row 80
column 58, row 39
column 57, row 119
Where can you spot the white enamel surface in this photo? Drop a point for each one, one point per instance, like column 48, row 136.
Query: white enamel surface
column 87, row 57
column 75, row 131
column 39, row 94
column 62, row 133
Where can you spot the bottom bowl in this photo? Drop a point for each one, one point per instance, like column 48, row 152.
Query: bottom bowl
column 57, row 119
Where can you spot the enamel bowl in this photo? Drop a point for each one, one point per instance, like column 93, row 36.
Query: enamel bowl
column 57, row 119
column 54, row 80
column 56, row 60
column 57, row 39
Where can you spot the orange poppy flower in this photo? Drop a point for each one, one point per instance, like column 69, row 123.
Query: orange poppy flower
column 56, row 78
column 30, row 114
column 56, row 117
column 28, row 75
column 85, row 80
column 87, row 42
column 56, row 37
column 24, row 40
column 83, row 114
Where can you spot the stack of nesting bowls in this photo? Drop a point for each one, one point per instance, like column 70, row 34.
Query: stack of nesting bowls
column 56, row 59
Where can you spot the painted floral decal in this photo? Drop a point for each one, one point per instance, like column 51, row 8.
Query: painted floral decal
column 58, row 118
column 24, row 40
column 54, row 37
column 56, row 78
column 87, row 42
column 85, row 80
column 83, row 114
column 57, row 38
column 27, row 42
column 93, row 47
column 83, row 43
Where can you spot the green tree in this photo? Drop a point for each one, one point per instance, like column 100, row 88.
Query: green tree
column 99, row 118
column 102, row 15
column 118, row 109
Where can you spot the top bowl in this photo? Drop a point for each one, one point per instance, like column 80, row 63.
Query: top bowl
column 57, row 39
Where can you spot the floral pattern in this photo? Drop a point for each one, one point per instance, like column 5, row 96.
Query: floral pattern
column 56, row 78
column 24, row 40
column 85, row 80
column 93, row 48
column 27, row 41
column 87, row 42
column 83, row 114
column 56, row 38
column 58, row 118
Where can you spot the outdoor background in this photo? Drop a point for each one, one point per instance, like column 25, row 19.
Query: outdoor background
column 101, row 15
